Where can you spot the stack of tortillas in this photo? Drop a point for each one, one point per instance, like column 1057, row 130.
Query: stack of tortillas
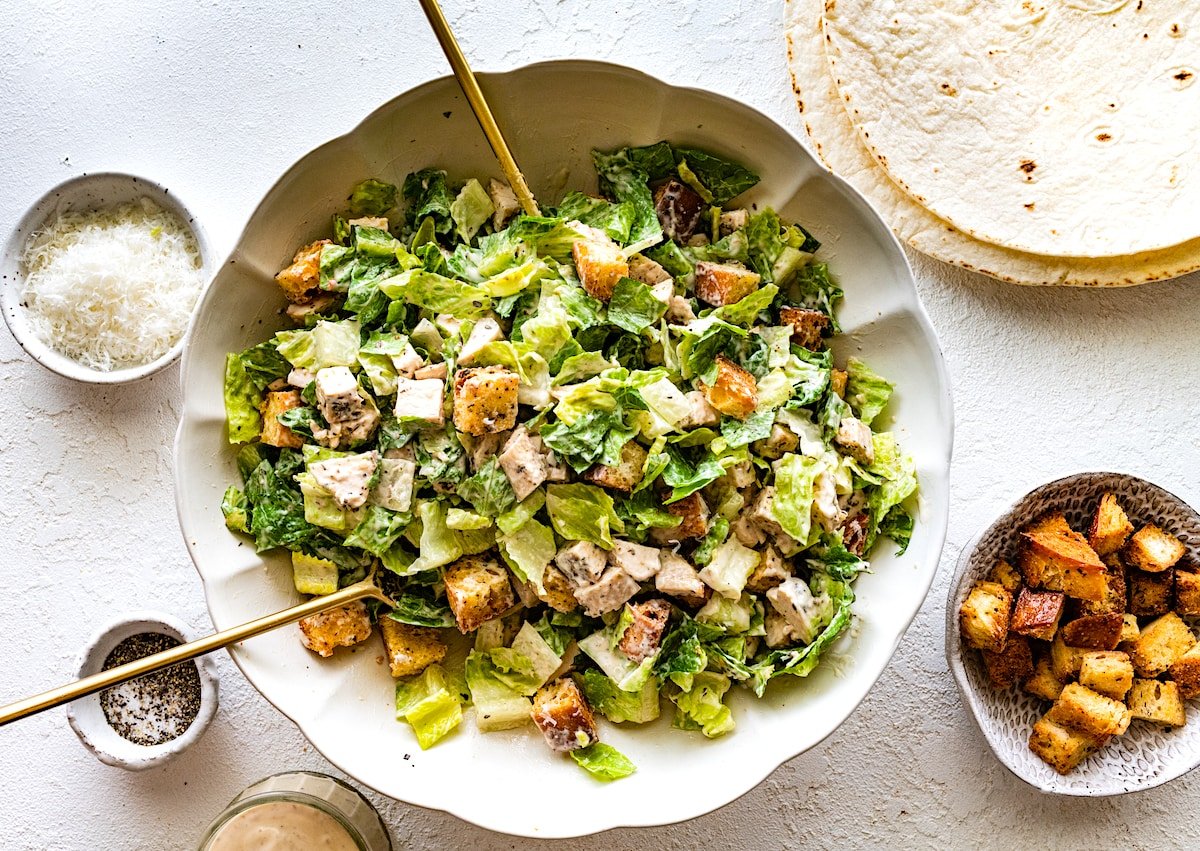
column 1036, row 141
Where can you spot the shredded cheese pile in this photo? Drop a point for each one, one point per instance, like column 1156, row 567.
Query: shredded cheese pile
column 112, row 288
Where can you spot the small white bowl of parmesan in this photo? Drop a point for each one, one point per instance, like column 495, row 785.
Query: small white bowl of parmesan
column 100, row 277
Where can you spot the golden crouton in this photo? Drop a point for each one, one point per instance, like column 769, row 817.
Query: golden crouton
column 1011, row 665
column 837, row 381
column 410, row 649
column 1065, row 661
column 1187, row 592
column 1043, row 683
column 1162, row 642
column 300, row 280
column 1107, row 672
column 770, row 571
column 1150, row 593
column 1056, row 522
column 1006, row 575
column 734, row 392
column 807, row 326
column 695, row 518
column 724, row 283
column 1129, row 628
column 1060, row 748
column 1158, row 702
column 1098, row 632
column 1085, row 711
column 1036, row 613
column 344, row 626
column 1115, row 591
column 1066, row 548
column 1042, row 571
column 1186, row 672
column 477, row 589
column 562, row 713
column 560, row 593
column 485, row 400
column 644, row 634
column 600, row 265
column 984, row 615
column 1110, row 527
column 1153, row 550
column 275, row 433
column 625, row 475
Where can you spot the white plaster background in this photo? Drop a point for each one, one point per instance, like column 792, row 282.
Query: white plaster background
column 215, row 100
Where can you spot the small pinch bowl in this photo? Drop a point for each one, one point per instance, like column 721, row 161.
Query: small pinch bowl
column 1146, row 756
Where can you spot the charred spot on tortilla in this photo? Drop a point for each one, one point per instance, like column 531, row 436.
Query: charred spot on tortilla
column 1103, row 137
column 1029, row 206
column 1184, row 75
column 1028, row 166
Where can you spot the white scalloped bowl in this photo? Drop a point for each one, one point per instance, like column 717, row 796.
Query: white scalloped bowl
column 555, row 112
column 1146, row 756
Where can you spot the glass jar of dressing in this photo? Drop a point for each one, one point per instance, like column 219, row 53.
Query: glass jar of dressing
column 298, row 810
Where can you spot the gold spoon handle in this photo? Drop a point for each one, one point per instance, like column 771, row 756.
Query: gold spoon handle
column 470, row 86
column 184, row 652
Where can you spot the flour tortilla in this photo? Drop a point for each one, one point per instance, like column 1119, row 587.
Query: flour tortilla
column 1059, row 127
column 837, row 143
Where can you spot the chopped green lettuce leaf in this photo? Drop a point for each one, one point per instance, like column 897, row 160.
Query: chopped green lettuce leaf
column 633, row 306
column 701, row 709
column 471, row 209
column 617, row 705
column 242, row 417
column 428, row 704
column 581, row 512
column 795, row 477
column 372, row 197
column 604, row 762
column 417, row 610
column 866, row 392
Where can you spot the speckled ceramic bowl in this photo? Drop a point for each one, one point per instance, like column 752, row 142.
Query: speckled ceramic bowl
column 1146, row 756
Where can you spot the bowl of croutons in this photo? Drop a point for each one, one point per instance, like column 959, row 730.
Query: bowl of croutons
column 1071, row 630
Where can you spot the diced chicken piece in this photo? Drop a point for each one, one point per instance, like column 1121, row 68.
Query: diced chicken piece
column 485, row 447
column 600, row 265
column 741, row 475
column 410, row 649
column 735, row 392
column 642, row 268
column 422, row 399
column 607, row 595
column 299, row 280
column 854, row 533
column 426, row 335
column 807, row 326
column 316, row 304
column 826, row 508
column 344, row 626
column 409, row 362
column 701, row 414
column 486, row 330
column 623, row 477
column 275, row 433
column 779, row 630
column 639, row 561
column 448, row 322
column 719, row 284
column 348, row 479
column 679, row 310
column 560, row 593
column 477, row 590
column 301, row 377
column 732, row 220
column 793, row 599
column 394, row 489
column 277, row 385
column 677, row 578
column 504, row 200
column 433, row 370
column 780, row 442
column 771, row 571
column 352, row 419
column 747, row 532
column 644, row 635
column 485, row 399
column 582, row 562
column 524, row 462
column 679, row 207
column 562, row 713
column 379, row 222
column 854, row 436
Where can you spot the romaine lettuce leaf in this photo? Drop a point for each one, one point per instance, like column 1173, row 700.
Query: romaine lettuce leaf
column 437, row 293
column 616, row 705
column 624, row 176
column 236, row 509
column 242, row 397
column 327, row 344
column 604, row 762
column 470, row 209
column 614, row 219
column 731, row 565
column 378, row 530
column 581, row 512
column 529, row 551
column 427, row 195
column 489, row 490
column 427, row 703
column 417, row 610
column 498, row 706
column 372, row 197
column 633, row 306
column 723, row 179
column 439, row 544
column 867, row 392
column 701, row 709
column 795, row 476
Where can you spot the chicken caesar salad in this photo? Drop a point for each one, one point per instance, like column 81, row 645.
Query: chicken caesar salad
column 609, row 442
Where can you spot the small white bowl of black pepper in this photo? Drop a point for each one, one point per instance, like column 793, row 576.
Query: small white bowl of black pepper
column 147, row 721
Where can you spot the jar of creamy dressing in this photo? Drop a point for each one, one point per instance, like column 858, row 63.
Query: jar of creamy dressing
column 294, row 811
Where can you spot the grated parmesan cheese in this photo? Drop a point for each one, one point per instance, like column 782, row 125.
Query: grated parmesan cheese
column 112, row 288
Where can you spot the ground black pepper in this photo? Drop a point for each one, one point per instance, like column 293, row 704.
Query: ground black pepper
column 156, row 708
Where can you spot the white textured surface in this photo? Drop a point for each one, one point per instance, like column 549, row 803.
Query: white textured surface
column 215, row 101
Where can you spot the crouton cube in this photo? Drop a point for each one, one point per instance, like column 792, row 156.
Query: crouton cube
column 1011, row 665
column 1110, row 527
column 485, row 400
column 1054, row 522
column 1153, row 550
column 734, row 392
column 1006, row 575
column 1129, row 628
column 1162, row 642
column 410, row 649
column 299, row 280
column 724, row 283
column 625, row 475
column 1150, row 593
column 1116, row 591
column 1043, row 683
column 1067, row 548
column 344, row 626
column 1107, row 672
column 275, row 433
column 560, row 593
column 1060, row 748
column 984, row 616
column 1186, row 672
column 562, row 713
column 695, row 518
column 1065, row 661
column 478, row 590
column 807, row 326
column 837, row 381
column 770, row 571
column 600, row 265
column 1098, row 632
column 1158, row 702
column 1042, row 571
column 1187, row 592
column 1036, row 613
column 1085, row 711
column 644, row 635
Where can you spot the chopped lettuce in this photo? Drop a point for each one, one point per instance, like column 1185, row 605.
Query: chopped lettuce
column 242, row 398
column 730, row 568
column 866, row 392
column 528, row 551
column 700, row 708
column 428, row 705
column 437, row 293
column 372, row 197
column 439, row 544
column 723, row 179
column 470, row 209
column 633, row 306
column 489, row 490
column 428, row 197
column 498, row 706
column 417, row 610
column 327, row 344
column 795, row 477
column 627, row 674
column 581, row 512
column 604, row 762
column 617, row 705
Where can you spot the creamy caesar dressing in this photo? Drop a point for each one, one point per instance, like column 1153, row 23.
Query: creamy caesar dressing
column 283, row 826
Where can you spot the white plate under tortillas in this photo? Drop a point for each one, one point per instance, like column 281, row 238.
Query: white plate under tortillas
column 837, row 143
column 1059, row 127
